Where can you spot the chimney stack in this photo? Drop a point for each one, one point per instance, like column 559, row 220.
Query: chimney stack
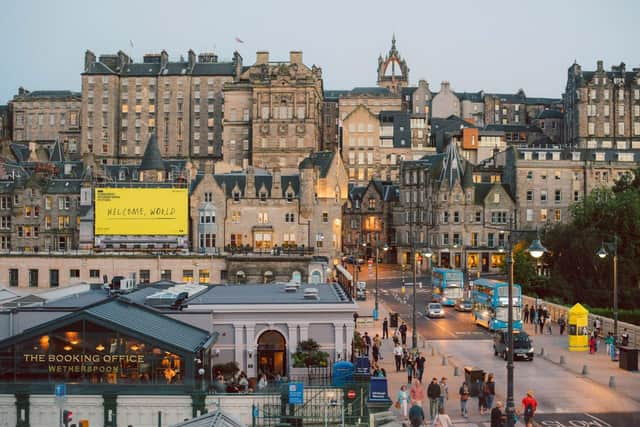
column 295, row 57
column 262, row 57
column 164, row 58
column 600, row 65
column 89, row 58
column 192, row 58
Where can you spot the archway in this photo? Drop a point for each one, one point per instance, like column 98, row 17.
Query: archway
column 316, row 277
column 272, row 354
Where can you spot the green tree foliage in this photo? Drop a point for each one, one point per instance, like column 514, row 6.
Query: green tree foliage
column 577, row 273
column 308, row 354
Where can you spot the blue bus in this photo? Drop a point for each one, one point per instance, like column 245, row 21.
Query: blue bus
column 447, row 285
column 490, row 304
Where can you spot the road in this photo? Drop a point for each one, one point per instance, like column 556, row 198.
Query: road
column 454, row 325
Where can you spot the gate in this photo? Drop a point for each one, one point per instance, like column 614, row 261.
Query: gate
column 322, row 406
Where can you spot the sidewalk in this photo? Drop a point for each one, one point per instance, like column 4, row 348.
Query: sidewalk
column 600, row 368
column 433, row 368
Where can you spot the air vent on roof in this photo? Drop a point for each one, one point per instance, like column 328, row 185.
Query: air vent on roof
column 311, row 293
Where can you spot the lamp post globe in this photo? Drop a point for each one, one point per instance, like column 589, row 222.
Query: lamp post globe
column 536, row 249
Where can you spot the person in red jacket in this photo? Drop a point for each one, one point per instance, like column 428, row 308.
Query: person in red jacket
column 529, row 406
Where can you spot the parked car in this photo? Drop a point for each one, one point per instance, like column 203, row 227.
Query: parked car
column 522, row 345
column 353, row 260
column 434, row 309
column 463, row 305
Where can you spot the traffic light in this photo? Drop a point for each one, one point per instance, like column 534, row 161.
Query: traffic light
column 66, row 417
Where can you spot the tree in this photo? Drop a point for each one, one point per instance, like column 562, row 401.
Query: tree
column 308, row 354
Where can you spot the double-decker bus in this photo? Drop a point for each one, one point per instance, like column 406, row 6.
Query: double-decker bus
column 491, row 301
column 447, row 285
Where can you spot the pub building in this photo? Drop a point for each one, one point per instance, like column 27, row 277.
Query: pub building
column 114, row 346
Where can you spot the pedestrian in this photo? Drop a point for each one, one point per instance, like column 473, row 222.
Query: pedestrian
column 490, row 391
column 405, row 356
column 598, row 326
column 416, row 393
column 367, row 343
column 498, row 418
column 608, row 343
column 532, row 314
column 535, row 321
column 444, row 392
column 433, row 392
column 529, row 406
column 377, row 341
column 592, row 343
column 410, row 368
column 385, row 329
column 416, row 416
column 442, row 419
column 482, row 399
column 403, row 400
column 403, row 332
column 562, row 323
column 420, row 361
column 541, row 320
column 525, row 313
column 375, row 352
column 397, row 355
column 624, row 338
column 464, row 398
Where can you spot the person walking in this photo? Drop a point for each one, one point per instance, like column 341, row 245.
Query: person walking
column 541, row 320
column 490, row 391
column 535, row 321
column 532, row 314
column 420, row 361
column 375, row 353
column 403, row 333
column 444, row 392
column 397, row 355
column 385, row 329
column 592, row 343
column 433, row 392
column 442, row 419
column 498, row 417
column 405, row 356
column 529, row 406
column 482, row 398
column 624, row 341
column 416, row 393
column 562, row 324
column 608, row 343
column 525, row 313
column 411, row 369
column 403, row 400
column 367, row 343
column 464, row 398
column 416, row 416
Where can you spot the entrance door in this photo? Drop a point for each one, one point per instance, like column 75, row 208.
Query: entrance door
column 272, row 350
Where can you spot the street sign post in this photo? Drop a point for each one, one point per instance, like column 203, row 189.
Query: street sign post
column 60, row 393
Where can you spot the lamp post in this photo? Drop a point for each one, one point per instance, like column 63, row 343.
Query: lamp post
column 536, row 250
column 602, row 253
column 385, row 248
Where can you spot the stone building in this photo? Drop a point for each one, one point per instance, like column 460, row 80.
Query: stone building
column 518, row 135
column 271, row 212
column 602, row 108
column 504, row 108
column 125, row 102
column 367, row 220
column 273, row 113
column 5, row 123
column 46, row 116
column 331, row 137
column 551, row 122
column 443, row 205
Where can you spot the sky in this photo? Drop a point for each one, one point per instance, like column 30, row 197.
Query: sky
column 498, row 46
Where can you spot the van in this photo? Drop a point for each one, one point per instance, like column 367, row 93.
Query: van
column 522, row 345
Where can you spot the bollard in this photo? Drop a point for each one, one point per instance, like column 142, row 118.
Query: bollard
column 612, row 382
column 456, row 371
column 585, row 371
column 541, row 351
column 444, row 360
column 562, row 361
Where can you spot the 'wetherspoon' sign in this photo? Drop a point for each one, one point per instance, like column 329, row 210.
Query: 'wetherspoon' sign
column 81, row 363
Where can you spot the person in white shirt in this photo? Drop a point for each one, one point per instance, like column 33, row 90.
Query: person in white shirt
column 397, row 354
column 442, row 420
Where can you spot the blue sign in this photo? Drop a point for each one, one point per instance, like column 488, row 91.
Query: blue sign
column 375, row 314
column 378, row 390
column 256, row 411
column 363, row 366
column 296, row 393
column 61, row 390
column 342, row 373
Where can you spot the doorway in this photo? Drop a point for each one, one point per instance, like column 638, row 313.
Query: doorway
column 272, row 350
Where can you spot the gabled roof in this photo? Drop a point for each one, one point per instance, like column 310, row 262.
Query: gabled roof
column 134, row 319
column 322, row 160
column 56, row 154
column 452, row 168
column 98, row 68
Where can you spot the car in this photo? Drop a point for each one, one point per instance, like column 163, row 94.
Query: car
column 352, row 260
column 434, row 309
column 522, row 344
column 463, row 305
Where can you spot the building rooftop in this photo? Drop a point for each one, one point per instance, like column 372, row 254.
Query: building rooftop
column 269, row 294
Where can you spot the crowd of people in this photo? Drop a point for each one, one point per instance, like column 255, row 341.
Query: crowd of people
column 240, row 383
column 540, row 319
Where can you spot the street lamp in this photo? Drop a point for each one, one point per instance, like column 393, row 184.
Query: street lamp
column 385, row 248
column 602, row 253
column 536, row 250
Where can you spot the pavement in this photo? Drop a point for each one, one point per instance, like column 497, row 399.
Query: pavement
column 444, row 356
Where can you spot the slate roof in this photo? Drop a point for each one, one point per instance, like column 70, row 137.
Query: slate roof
column 374, row 90
column 512, row 128
column 98, row 68
column 356, row 192
column 230, row 180
column 79, row 300
column 140, row 69
column 544, row 101
column 56, row 154
column 273, row 293
column 48, row 94
column 333, row 95
column 322, row 160
column 152, row 159
column 215, row 418
column 550, row 113
column 471, row 96
column 214, row 69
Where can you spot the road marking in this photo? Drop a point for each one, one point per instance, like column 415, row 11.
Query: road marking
column 441, row 327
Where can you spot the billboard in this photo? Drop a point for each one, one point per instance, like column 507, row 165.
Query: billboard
column 141, row 211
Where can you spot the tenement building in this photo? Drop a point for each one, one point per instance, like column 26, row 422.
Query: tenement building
column 5, row 123
column 603, row 107
column 46, row 116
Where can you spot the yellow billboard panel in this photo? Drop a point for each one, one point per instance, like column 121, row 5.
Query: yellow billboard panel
column 141, row 211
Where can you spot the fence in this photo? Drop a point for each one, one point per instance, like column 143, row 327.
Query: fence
column 556, row 310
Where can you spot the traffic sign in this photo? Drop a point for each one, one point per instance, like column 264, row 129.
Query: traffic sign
column 296, row 393
column 60, row 390
column 351, row 394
